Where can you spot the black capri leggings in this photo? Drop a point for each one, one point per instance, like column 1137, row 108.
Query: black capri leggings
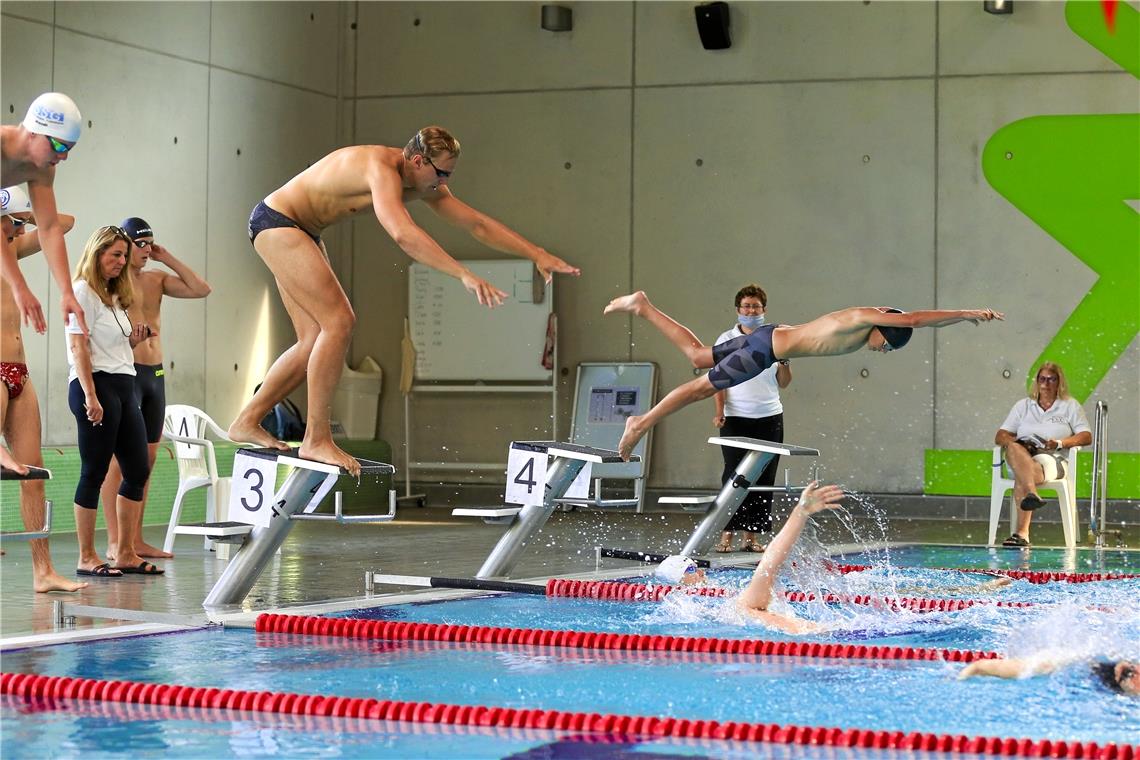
column 755, row 514
column 122, row 434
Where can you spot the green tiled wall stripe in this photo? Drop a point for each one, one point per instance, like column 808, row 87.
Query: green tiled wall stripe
column 967, row 473
column 64, row 466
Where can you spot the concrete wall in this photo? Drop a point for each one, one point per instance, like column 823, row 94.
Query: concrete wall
column 832, row 155
column 195, row 112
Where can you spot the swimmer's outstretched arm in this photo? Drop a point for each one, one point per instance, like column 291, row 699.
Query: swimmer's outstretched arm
column 929, row 317
column 1008, row 668
column 494, row 234
column 758, row 594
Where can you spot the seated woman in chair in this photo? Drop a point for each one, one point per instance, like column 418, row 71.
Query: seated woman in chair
column 1035, row 437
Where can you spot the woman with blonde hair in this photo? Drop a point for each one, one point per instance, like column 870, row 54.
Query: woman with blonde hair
column 102, row 398
column 1035, row 438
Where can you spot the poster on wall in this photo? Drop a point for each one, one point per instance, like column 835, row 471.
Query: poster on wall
column 613, row 405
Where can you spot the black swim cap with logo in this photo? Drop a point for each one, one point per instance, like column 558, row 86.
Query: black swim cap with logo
column 136, row 228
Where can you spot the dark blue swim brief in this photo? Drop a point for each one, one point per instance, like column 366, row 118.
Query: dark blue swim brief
column 742, row 358
column 265, row 218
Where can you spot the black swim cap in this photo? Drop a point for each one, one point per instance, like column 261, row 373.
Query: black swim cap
column 896, row 337
column 1106, row 673
column 136, row 228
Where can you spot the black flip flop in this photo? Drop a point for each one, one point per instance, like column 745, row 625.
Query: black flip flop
column 142, row 568
column 100, row 571
column 1032, row 502
column 1015, row 542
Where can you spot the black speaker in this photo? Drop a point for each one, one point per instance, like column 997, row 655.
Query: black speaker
column 712, row 23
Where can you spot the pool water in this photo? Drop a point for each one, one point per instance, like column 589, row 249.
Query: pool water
column 1092, row 619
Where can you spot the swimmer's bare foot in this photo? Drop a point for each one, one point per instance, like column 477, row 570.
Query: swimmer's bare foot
column 633, row 433
column 149, row 552
column 53, row 581
column 9, row 462
column 244, row 432
column 329, row 453
column 634, row 303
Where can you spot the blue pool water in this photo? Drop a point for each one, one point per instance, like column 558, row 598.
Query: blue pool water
column 1094, row 619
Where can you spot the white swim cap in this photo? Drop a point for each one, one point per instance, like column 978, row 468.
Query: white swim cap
column 56, row 115
column 673, row 569
column 14, row 200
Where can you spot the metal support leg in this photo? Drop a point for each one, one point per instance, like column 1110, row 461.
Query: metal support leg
column 729, row 499
column 262, row 543
column 559, row 475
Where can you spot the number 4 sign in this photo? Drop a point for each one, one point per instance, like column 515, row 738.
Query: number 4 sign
column 526, row 478
column 252, row 489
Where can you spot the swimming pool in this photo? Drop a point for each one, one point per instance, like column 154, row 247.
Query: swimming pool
column 854, row 693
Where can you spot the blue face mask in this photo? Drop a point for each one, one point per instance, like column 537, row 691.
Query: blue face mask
column 751, row 321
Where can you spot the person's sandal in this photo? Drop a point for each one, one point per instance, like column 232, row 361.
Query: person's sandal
column 1015, row 542
column 724, row 547
column 753, row 546
column 1032, row 502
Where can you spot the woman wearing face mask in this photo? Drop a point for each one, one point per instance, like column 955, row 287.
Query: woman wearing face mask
column 751, row 409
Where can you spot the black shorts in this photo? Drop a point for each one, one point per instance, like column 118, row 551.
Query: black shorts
column 264, row 218
column 150, row 393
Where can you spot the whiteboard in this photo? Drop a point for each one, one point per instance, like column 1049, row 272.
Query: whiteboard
column 606, row 395
column 457, row 339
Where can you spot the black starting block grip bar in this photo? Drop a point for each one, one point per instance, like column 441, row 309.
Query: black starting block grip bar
column 478, row 584
column 34, row 473
column 643, row 556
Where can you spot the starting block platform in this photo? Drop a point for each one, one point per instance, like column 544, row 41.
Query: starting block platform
column 271, row 519
column 551, row 467
column 33, row 473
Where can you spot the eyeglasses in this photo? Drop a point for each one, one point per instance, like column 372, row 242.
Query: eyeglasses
column 1048, row 379
column 57, row 146
column 438, row 172
column 751, row 307
column 140, row 243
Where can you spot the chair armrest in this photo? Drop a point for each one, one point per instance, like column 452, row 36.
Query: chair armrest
column 997, row 456
column 188, row 440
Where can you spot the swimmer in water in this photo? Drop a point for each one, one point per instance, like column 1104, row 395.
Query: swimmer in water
column 881, row 329
column 1121, row 676
column 756, row 598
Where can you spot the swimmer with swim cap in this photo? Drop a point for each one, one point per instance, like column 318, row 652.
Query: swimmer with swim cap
column 881, row 329
column 756, row 599
column 30, row 152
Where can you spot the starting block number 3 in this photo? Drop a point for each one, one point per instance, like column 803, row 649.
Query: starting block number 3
column 526, row 478
column 252, row 490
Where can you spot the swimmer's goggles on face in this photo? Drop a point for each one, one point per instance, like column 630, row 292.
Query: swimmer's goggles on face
column 140, row 243
column 440, row 173
column 18, row 223
column 57, row 146
column 1127, row 672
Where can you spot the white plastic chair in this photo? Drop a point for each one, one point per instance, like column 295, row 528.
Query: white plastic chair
column 188, row 427
column 1065, row 488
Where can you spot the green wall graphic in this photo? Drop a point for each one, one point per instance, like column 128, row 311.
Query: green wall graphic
column 1073, row 176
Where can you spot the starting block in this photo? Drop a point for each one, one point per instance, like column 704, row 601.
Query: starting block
column 34, row 473
column 546, row 487
column 272, row 517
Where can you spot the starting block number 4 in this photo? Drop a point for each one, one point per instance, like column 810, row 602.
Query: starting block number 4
column 252, row 490
column 526, row 478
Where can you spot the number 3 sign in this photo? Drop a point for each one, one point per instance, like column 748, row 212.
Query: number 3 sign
column 252, row 489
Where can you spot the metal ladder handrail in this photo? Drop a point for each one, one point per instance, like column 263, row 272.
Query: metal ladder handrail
column 1098, row 494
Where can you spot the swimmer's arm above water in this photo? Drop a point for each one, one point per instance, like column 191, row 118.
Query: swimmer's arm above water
column 1009, row 668
column 494, row 234
column 387, row 203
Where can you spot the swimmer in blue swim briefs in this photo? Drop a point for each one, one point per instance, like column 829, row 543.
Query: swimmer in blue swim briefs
column 845, row 331
column 285, row 229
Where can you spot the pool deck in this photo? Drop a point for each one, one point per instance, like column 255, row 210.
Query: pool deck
column 325, row 561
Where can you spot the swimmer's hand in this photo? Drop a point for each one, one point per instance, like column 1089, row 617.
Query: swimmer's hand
column 816, row 498
column 974, row 316
column 548, row 265
column 487, row 293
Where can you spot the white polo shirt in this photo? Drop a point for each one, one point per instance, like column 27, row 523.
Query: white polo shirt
column 1063, row 419
column 109, row 328
column 755, row 398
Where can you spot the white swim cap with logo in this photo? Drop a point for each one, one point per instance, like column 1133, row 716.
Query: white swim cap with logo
column 14, row 200
column 673, row 568
column 55, row 115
